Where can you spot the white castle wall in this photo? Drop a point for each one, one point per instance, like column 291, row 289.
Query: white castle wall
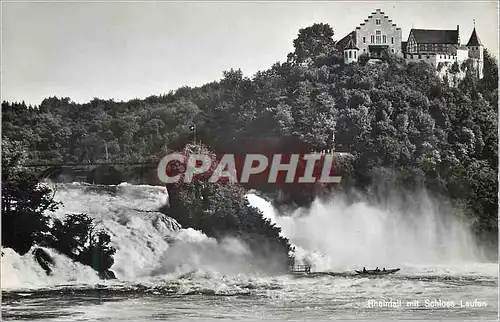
column 434, row 59
column 428, row 58
column 443, row 62
column 462, row 54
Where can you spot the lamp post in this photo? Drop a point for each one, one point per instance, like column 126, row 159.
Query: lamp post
column 193, row 128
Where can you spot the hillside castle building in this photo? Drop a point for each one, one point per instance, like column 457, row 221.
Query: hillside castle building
column 440, row 48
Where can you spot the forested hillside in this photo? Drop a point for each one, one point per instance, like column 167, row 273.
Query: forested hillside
column 403, row 125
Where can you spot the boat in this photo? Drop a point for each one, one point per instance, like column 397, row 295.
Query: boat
column 378, row 272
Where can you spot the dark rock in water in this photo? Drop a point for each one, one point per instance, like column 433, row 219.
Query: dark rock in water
column 107, row 275
column 44, row 260
column 163, row 223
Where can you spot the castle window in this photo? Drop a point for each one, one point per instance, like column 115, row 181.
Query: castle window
column 364, row 40
column 377, row 21
column 345, row 54
column 384, row 39
column 419, row 56
column 350, row 54
column 364, row 50
column 378, row 34
column 372, row 39
column 392, row 40
column 354, row 54
column 392, row 50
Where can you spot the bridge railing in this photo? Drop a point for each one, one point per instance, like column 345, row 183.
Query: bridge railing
column 300, row 268
column 33, row 165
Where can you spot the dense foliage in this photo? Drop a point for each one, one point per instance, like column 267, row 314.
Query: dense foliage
column 404, row 125
column 78, row 238
column 26, row 204
column 221, row 210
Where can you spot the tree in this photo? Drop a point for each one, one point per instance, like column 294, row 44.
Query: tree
column 78, row 238
column 221, row 210
column 489, row 83
column 24, row 203
column 25, row 221
column 312, row 43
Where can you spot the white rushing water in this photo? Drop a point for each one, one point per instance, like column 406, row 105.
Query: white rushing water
column 156, row 258
column 148, row 242
column 23, row 271
column 337, row 235
column 332, row 236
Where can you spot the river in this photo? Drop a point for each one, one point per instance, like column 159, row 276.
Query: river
column 170, row 273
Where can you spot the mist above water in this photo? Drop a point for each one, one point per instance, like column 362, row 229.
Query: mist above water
column 335, row 235
column 339, row 234
column 190, row 250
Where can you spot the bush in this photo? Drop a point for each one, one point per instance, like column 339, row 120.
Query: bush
column 25, row 222
column 78, row 238
column 221, row 210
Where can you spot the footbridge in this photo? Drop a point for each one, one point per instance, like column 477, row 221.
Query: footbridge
column 96, row 172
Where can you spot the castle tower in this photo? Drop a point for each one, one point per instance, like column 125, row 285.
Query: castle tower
column 476, row 49
column 351, row 52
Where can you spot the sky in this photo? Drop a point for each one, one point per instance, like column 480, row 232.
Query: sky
column 126, row 50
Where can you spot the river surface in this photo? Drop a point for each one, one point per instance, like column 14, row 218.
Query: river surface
column 460, row 293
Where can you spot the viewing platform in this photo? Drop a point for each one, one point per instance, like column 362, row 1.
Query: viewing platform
column 300, row 269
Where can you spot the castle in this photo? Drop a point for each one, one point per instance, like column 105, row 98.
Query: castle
column 440, row 48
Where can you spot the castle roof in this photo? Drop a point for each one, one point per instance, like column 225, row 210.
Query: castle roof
column 474, row 39
column 342, row 43
column 432, row 36
column 350, row 44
